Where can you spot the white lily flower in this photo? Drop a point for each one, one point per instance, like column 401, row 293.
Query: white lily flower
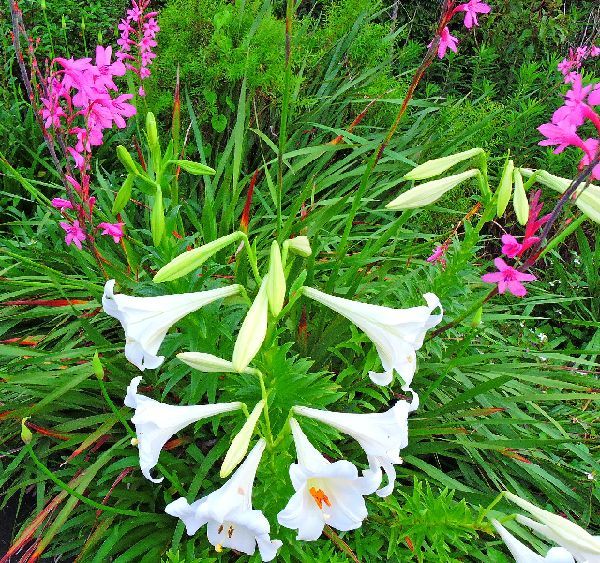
column 156, row 422
column 584, row 547
column 381, row 435
column 326, row 493
column 146, row 320
column 524, row 554
column 396, row 333
column 231, row 521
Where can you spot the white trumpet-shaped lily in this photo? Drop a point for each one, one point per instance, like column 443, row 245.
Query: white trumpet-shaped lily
column 146, row 320
column 584, row 547
column 156, row 422
column 397, row 333
column 381, row 435
column 524, row 554
column 326, row 493
column 231, row 521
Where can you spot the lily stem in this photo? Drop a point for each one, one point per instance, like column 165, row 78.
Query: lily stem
column 265, row 398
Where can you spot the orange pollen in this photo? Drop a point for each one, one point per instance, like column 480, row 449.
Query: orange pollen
column 320, row 497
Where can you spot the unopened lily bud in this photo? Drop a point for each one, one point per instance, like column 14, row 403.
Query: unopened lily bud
column 194, row 168
column 82, row 24
column 299, row 245
column 520, row 202
column 63, row 22
column 97, row 366
column 275, row 281
column 26, row 434
column 126, row 160
column 505, row 188
column 152, row 132
column 157, row 218
column 588, row 197
column 43, row 4
column 438, row 166
column 239, row 445
column 100, row 38
column 253, row 331
column 206, row 362
column 192, row 259
column 429, row 192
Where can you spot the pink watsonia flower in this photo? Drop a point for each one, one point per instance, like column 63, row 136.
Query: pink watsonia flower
column 471, row 9
column 447, row 41
column 74, row 232
column 115, row 230
column 591, row 147
column 105, row 69
column 438, row 255
column 595, row 51
column 77, row 157
column 61, row 203
column 562, row 135
column 508, row 278
column 511, row 247
column 575, row 108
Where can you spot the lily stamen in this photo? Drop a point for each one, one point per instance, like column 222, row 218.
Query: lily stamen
column 320, row 497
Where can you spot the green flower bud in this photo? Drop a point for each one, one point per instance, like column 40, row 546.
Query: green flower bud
column 127, row 160
column 152, row 132
column 299, row 245
column 194, row 168
column 97, row 365
column 438, row 166
column 26, row 434
column 275, row 281
column 429, row 192
column 239, row 446
column 505, row 189
column 123, row 195
column 588, row 197
column 157, row 218
column 192, row 259
column 520, row 203
column 253, row 331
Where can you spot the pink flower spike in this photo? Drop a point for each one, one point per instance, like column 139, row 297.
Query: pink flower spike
column 595, row 51
column 61, row 203
column 115, row 230
column 508, row 278
column 438, row 255
column 510, row 246
column 471, row 9
column 447, row 41
column 74, row 232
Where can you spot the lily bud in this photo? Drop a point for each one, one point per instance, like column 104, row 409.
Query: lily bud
column 505, row 188
column 206, row 362
column 429, row 192
column 520, row 203
column 437, row 166
column 97, row 366
column 157, row 218
column 588, row 197
column 126, row 160
column 152, row 132
column 253, row 331
column 239, row 445
column 192, row 259
column 26, row 434
column 275, row 281
column 124, row 195
column 63, row 22
column 194, row 168
column 299, row 245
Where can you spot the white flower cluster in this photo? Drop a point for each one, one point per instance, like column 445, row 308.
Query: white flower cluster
column 326, row 493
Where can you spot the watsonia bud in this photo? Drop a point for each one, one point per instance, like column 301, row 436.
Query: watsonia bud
column 438, row 166
column 192, row 259
column 275, row 281
column 239, row 446
column 429, row 192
